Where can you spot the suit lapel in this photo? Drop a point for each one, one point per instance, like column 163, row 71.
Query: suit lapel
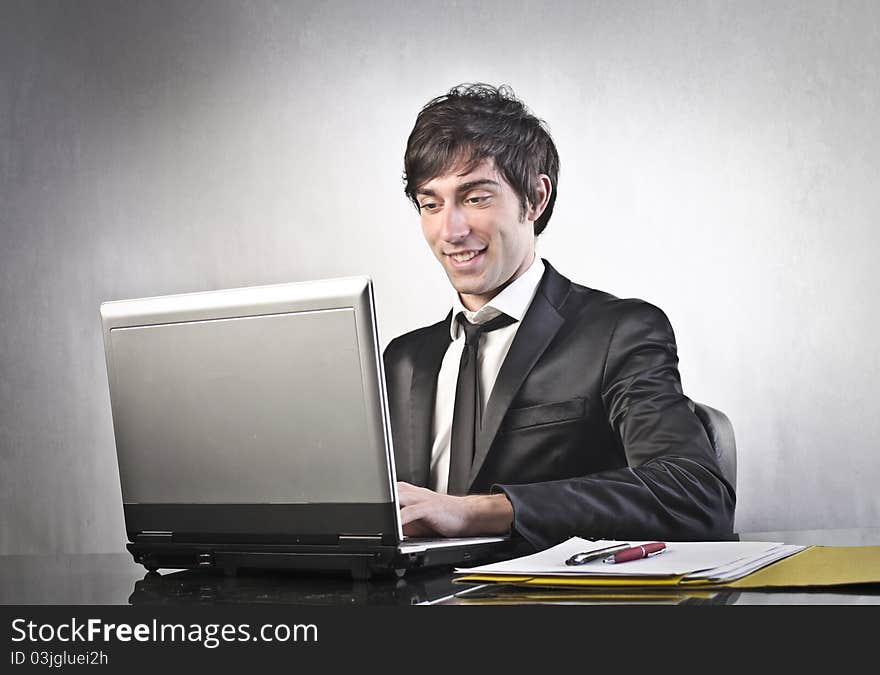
column 539, row 326
column 423, row 394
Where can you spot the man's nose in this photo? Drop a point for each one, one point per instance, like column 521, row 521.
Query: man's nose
column 455, row 226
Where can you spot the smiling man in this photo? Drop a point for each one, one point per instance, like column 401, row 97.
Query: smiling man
column 537, row 406
column 475, row 225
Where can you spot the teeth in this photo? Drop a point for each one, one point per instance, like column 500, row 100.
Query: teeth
column 464, row 257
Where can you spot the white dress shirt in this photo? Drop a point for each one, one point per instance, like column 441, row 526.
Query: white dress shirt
column 513, row 301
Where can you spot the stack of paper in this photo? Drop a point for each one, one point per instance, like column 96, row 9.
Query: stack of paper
column 714, row 562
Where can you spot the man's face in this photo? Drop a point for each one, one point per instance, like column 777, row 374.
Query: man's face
column 474, row 224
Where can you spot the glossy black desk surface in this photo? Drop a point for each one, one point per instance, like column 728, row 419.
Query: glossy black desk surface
column 113, row 578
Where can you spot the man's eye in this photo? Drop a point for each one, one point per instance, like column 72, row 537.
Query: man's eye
column 428, row 206
column 474, row 201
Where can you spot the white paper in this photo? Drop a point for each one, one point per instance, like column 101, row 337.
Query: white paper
column 701, row 559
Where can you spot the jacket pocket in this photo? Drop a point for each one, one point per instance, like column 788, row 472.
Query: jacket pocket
column 546, row 413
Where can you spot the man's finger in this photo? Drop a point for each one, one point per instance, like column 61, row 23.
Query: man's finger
column 418, row 529
column 411, row 513
column 410, row 497
column 408, row 488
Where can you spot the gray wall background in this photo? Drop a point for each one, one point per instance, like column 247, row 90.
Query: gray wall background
column 720, row 159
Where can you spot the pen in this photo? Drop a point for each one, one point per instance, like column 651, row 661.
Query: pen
column 587, row 556
column 637, row 552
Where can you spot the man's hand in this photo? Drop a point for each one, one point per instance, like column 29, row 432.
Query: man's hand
column 425, row 513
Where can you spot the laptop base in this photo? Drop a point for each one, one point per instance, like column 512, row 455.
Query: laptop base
column 361, row 564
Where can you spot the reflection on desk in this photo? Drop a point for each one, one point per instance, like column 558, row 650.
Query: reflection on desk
column 201, row 587
column 498, row 594
column 501, row 594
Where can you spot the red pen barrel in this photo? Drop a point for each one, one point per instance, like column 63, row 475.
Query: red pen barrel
column 638, row 552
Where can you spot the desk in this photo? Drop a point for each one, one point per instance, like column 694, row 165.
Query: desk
column 113, row 579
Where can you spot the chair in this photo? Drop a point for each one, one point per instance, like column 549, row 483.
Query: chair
column 720, row 432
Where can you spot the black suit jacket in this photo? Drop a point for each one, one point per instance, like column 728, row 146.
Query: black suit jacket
column 586, row 431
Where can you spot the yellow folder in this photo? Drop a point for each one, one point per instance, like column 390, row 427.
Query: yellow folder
column 815, row 566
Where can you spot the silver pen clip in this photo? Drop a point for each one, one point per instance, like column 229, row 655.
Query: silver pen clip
column 588, row 556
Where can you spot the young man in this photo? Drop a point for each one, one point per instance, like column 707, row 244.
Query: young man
column 537, row 405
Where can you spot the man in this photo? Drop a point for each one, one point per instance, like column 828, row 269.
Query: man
column 537, row 406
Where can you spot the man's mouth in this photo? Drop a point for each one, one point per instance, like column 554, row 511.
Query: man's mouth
column 465, row 258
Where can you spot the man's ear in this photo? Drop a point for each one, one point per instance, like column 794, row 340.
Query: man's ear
column 544, row 190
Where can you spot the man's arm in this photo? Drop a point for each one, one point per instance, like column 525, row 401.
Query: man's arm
column 672, row 487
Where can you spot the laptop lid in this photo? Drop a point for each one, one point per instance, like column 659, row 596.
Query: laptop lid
column 252, row 414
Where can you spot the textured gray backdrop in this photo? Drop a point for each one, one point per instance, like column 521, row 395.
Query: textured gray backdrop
column 720, row 159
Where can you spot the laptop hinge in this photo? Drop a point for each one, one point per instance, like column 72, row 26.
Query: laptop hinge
column 360, row 539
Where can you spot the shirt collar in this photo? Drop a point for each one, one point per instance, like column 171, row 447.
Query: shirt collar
column 513, row 300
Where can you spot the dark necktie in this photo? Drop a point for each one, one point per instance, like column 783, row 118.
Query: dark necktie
column 468, row 413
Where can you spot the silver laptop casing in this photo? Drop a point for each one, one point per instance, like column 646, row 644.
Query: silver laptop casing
column 251, row 397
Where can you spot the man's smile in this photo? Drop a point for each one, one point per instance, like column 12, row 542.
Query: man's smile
column 466, row 258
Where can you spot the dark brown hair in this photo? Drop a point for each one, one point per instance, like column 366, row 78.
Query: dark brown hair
column 474, row 122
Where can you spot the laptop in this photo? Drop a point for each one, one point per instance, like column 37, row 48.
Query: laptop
column 252, row 431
